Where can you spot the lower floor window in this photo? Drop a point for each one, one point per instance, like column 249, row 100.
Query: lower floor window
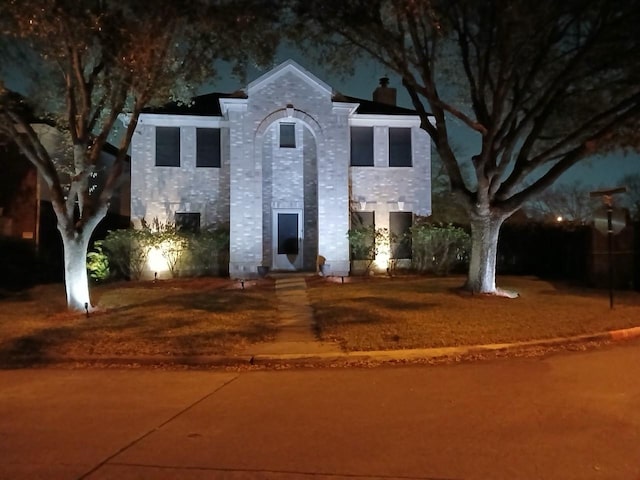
column 400, row 228
column 362, row 236
column 188, row 222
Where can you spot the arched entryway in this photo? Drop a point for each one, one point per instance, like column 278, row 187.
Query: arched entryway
column 288, row 147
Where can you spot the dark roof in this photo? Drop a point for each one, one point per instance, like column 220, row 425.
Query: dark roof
column 371, row 107
column 111, row 149
column 209, row 105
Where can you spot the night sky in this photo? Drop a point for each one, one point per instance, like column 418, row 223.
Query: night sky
column 599, row 171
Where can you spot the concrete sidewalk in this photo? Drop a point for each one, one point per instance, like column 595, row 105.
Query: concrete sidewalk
column 297, row 329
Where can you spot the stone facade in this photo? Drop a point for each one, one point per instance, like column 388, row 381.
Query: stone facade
column 268, row 192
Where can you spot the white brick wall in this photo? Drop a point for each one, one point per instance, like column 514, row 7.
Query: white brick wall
column 257, row 176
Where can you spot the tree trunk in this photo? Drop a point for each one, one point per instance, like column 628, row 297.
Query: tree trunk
column 75, row 269
column 484, row 249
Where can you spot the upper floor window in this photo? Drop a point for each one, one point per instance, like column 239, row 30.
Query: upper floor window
column 167, row 146
column 287, row 135
column 362, row 146
column 208, row 147
column 399, row 147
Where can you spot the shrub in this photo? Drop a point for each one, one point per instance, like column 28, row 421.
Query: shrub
column 171, row 243
column 439, row 249
column 362, row 242
column 98, row 263
column 127, row 251
column 207, row 251
column 366, row 241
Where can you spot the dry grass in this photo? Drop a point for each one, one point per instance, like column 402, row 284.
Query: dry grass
column 171, row 318
column 214, row 316
column 414, row 312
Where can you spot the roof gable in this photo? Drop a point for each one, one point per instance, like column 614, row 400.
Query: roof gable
column 289, row 66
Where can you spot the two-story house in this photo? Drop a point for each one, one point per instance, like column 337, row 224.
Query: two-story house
column 288, row 164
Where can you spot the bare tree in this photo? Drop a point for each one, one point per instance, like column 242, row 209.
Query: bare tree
column 84, row 63
column 542, row 85
column 563, row 203
column 631, row 199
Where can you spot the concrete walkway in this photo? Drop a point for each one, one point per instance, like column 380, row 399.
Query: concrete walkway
column 295, row 318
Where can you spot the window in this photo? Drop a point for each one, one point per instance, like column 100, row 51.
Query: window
column 362, row 235
column 400, row 228
column 287, row 135
column 400, row 147
column 167, row 146
column 188, row 222
column 362, row 146
column 208, row 147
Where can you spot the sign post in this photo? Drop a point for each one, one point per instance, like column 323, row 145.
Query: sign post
column 613, row 226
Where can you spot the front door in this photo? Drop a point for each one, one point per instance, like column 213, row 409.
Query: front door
column 287, row 239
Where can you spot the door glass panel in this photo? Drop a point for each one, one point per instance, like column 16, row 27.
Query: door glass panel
column 287, row 233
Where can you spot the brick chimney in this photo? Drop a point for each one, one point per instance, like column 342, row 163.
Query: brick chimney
column 384, row 93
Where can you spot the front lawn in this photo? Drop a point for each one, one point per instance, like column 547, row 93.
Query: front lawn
column 169, row 318
column 380, row 313
column 213, row 316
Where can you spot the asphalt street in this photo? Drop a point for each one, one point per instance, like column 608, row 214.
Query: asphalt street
column 573, row 415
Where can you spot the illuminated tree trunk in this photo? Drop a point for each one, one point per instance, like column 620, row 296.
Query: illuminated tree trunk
column 484, row 248
column 75, row 269
column 75, row 242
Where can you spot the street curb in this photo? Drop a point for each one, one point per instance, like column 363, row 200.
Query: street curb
column 456, row 352
column 320, row 359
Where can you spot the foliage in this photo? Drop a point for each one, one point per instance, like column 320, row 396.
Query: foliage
column 207, row 250
column 203, row 252
column 439, row 249
column 362, row 242
column 540, row 86
column 98, row 263
column 127, row 251
column 366, row 242
column 80, row 65
column 171, row 243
